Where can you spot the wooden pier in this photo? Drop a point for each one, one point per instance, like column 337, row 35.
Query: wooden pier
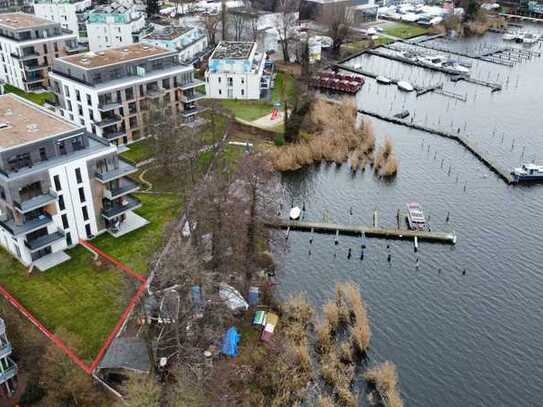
column 469, row 145
column 399, row 58
column 493, row 86
column 361, row 230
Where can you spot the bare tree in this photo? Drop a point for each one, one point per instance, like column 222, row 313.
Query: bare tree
column 338, row 20
column 285, row 24
column 224, row 20
column 211, row 26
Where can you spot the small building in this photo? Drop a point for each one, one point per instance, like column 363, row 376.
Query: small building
column 70, row 14
column 190, row 42
column 58, row 185
column 111, row 92
column 236, row 71
column 8, row 368
column 28, row 45
column 115, row 25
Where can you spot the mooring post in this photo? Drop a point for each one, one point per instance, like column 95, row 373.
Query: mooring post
column 288, row 231
column 337, row 237
column 311, row 236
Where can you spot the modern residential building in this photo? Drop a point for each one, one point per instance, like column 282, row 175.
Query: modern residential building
column 28, row 45
column 14, row 5
column 115, row 25
column 189, row 42
column 58, row 185
column 70, row 14
column 236, row 71
column 8, row 368
column 111, row 92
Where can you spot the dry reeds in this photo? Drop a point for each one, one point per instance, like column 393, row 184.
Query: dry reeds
column 331, row 313
column 336, row 137
column 324, row 339
column 386, row 163
column 325, row 401
column 298, row 309
column 353, row 311
column 385, row 379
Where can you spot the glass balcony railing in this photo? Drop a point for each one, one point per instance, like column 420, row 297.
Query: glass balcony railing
column 125, row 204
column 125, row 186
column 35, row 202
column 27, row 226
column 8, row 373
column 43, row 241
column 109, row 174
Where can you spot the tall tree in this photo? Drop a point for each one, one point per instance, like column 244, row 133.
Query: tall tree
column 211, row 26
column 338, row 19
column 224, row 19
column 285, row 24
column 152, row 7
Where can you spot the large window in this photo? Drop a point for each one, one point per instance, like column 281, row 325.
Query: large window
column 61, row 204
column 85, row 213
column 78, row 175
column 82, row 194
column 65, row 223
column 56, row 180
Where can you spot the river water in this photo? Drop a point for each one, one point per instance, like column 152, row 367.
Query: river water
column 458, row 340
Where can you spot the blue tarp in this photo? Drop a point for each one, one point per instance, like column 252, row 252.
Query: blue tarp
column 230, row 342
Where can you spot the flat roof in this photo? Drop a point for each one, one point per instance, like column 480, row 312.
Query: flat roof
column 169, row 33
column 23, row 122
column 233, row 50
column 113, row 56
column 18, row 21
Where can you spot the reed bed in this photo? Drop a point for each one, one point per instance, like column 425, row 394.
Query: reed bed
column 386, row 163
column 337, row 136
column 385, row 379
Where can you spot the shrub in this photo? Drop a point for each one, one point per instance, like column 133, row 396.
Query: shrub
column 279, row 140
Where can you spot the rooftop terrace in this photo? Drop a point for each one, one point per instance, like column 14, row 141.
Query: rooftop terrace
column 19, row 21
column 169, row 33
column 233, row 50
column 114, row 56
column 23, row 122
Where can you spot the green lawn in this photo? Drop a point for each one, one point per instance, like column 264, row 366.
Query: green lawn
column 136, row 249
column 79, row 296
column 404, row 30
column 139, row 151
column 39, row 98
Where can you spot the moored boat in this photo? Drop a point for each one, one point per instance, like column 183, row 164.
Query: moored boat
column 383, row 80
column 405, row 86
column 415, row 217
column 295, row 213
column 528, row 172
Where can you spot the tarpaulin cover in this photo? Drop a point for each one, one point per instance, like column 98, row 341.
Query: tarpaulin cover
column 230, row 342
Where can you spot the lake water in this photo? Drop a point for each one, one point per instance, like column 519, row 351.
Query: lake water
column 458, row 340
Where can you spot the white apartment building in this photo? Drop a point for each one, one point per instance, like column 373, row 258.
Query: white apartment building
column 115, row 25
column 189, row 42
column 111, row 92
column 236, row 71
column 28, row 45
column 58, row 185
column 70, row 14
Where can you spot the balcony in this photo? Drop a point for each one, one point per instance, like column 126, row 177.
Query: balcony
column 192, row 96
column 155, row 93
column 191, row 111
column 113, row 135
column 10, row 372
column 25, row 57
column 123, row 168
column 73, row 48
column 35, row 202
column 28, row 226
column 107, row 105
column 125, row 186
column 108, row 121
column 34, row 67
column 192, row 84
column 5, row 350
column 34, row 79
column 44, row 241
column 127, row 203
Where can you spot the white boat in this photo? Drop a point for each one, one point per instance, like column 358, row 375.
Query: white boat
column 415, row 217
column 528, row 172
column 530, row 38
column 295, row 213
column 509, row 36
column 405, row 86
column 455, row 66
column 232, row 298
column 384, row 80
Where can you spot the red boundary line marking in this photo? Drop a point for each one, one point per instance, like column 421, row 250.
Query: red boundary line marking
column 55, row 339
column 114, row 261
column 118, row 326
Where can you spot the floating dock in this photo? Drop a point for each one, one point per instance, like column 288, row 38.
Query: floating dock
column 368, row 231
column 469, row 145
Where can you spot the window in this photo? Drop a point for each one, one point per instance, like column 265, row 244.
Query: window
column 66, row 91
column 62, row 147
column 68, row 239
column 56, row 179
column 78, row 95
column 88, row 230
column 43, row 154
column 61, row 205
column 81, row 194
column 78, row 175
column 85, row 213
column 220, row 92
column 242, row 92
column 65, row 223
column 230, row 81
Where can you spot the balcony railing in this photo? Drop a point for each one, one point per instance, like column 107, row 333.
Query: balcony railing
column 28, row 226
column 154, row 93
column 34, row 67
column 9, row 372
column 123, row 168
column 35, row 202
column 192, row 97
column 113, row 135
column 24, row 57
column 44, row 241
column 5, row 350
column 108, row 105
column 192, row 84
column 34, row 79
column 127, row 203
column 108, row 121
column 126, row 186
column 193, row 110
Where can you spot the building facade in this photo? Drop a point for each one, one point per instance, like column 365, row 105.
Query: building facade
column 28, row 45
column 8, row 368
column 111, row 92
column 115, row 25
column 236, row 71
column 70, row 14
column 189, row 42
column 58, row 185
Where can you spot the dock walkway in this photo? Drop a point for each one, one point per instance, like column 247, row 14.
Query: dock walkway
column 368, row 231
column 469, row 145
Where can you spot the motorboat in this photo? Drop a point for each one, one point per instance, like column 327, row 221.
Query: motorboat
column 528, row 172
column 232, row 298
column 415, row 217
column 530, row 38
column 405, row 86
column 383, row 80
column 295, row 213
column 509, row 36
column 455, row 66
